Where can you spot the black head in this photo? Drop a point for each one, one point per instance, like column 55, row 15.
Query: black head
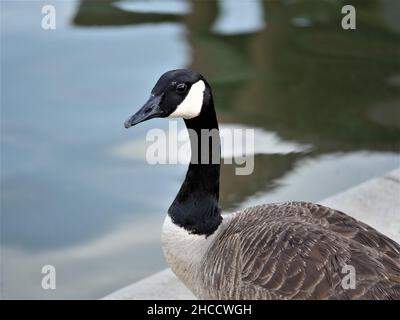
column 178, row 93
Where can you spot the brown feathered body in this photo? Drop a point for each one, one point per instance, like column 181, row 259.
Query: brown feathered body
column 293, row 250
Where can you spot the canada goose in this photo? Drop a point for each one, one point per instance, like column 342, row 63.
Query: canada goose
column 292, row 250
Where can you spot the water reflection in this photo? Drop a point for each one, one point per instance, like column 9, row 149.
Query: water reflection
column 286, row 69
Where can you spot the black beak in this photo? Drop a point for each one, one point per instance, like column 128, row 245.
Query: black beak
column 151, row 109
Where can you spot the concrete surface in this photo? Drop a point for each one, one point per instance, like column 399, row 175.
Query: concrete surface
column 375, row 202
column 163, row 285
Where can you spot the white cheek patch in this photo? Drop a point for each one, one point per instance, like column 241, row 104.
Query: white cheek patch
column 191, row 106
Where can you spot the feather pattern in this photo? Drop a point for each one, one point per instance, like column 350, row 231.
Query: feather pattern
column 293, row 250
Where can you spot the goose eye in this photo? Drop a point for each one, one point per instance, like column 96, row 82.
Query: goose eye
column 181, row 88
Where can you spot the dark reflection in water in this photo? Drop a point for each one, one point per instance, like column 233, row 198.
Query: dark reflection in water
column 286, row 67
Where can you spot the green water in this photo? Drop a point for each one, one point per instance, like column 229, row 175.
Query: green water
column 284, row 67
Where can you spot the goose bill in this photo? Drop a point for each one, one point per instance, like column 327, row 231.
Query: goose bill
column 151, row 109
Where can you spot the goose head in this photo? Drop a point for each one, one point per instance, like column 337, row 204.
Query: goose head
column 177, row 94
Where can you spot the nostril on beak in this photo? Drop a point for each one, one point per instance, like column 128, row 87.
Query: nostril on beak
column 147, row 110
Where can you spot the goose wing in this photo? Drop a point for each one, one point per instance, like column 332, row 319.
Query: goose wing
column 347, row 226
column 301, row 251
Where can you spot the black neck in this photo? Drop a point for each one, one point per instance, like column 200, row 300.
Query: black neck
column 195, row 207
